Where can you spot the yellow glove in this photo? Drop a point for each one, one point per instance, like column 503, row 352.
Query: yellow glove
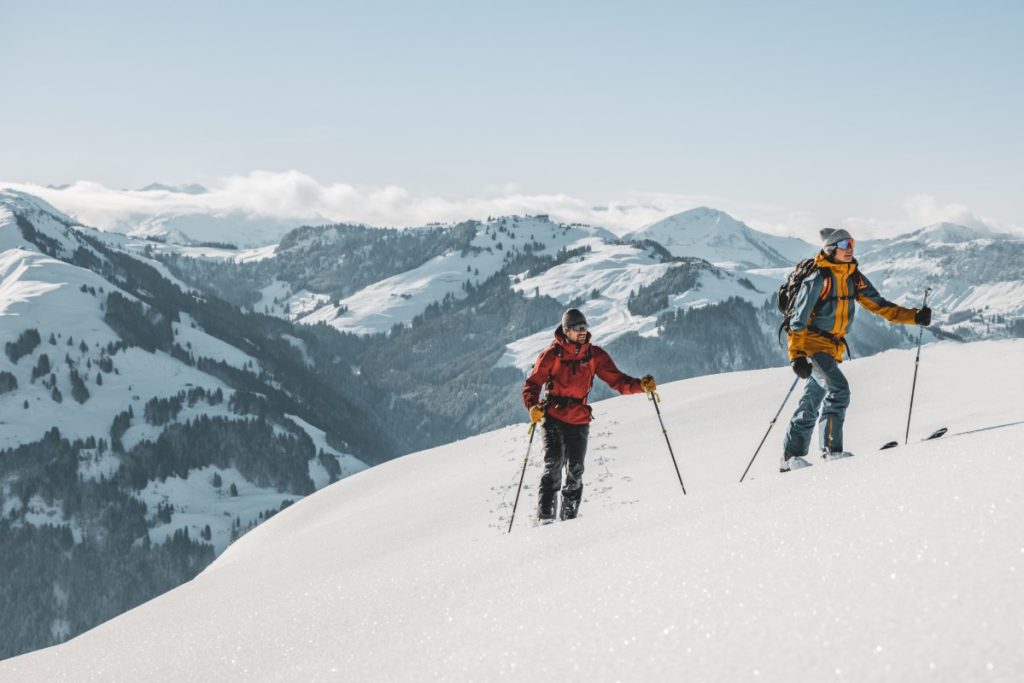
column 648, row 384
column 537, row 413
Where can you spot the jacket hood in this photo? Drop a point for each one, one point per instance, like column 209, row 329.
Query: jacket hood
column 823, row 261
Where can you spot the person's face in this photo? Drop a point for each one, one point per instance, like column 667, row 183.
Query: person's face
column 844, row 251
column 576, row 334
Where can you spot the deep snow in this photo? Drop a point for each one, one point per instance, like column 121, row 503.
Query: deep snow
column 898, row 565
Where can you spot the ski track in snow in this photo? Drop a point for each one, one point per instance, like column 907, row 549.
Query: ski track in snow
column 898, row 565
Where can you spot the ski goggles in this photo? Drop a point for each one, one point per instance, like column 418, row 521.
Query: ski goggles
column 578, row 327
column 845, row 244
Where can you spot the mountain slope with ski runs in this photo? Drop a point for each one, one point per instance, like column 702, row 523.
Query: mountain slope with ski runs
column 896, row 565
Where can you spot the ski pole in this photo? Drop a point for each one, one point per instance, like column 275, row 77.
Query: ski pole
column 656, row 399
column 913, row 387
column 533, row 427
column 770, row 425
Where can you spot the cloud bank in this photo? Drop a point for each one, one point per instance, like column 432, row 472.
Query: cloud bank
column 291, row 198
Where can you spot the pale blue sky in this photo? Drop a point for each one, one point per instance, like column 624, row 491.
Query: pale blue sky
column 836, row 109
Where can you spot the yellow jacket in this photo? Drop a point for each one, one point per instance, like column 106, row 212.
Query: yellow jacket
column 823, row 311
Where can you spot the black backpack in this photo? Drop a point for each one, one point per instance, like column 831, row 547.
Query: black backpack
column 788, row 290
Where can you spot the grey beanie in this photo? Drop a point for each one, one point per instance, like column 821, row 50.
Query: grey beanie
column 832, row 236
column 572, row 317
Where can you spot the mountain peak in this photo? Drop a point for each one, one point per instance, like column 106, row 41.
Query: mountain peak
column 950, row 232
column 703, row 213
column 18, row 202
column 717, row 237
column 942, row 233
column 192, row 188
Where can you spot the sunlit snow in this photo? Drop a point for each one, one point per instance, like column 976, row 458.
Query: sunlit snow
column 894, row 565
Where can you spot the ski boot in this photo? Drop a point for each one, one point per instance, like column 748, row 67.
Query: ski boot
column 570, row 508
column 828, row 455
column 792, row 462
column 546, row 510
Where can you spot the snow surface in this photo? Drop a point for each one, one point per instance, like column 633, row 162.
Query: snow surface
column 897, row 565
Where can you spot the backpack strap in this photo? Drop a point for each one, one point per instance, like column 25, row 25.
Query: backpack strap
column 575, row 362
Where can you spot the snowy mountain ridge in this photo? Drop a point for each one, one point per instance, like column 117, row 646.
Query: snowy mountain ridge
column 610, row 274
column 399, row 298
column 891, row 566
column 188, row 188
column 143, row 425
column 949, row 233
column 976, row 276
column 65, row 302
column 719, row 238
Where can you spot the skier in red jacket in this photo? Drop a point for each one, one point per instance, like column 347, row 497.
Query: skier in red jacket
column 567, row 368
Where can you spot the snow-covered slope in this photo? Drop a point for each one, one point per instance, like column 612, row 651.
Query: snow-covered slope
column 398, row 299
column 235, row 228
column 717, row 237
column 895, row 565
column 615, row 271
column 974, row 273
column 64, row 304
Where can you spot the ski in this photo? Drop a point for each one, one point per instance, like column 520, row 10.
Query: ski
column 938, row 433
column 942, row 431
column 985, row 429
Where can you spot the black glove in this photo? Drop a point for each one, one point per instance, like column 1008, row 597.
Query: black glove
column 923, row 316
column 802, row 367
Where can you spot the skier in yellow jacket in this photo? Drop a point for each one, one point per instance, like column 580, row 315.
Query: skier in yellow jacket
column 822, row 314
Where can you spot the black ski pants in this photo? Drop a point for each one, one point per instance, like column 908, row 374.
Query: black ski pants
column 565, row 445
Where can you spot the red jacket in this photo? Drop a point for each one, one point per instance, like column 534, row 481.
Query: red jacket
column 567, row 370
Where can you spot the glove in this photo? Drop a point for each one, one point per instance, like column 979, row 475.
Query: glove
column 802, row 367
column 648, row 384
column 923, row 316
column 537, row 413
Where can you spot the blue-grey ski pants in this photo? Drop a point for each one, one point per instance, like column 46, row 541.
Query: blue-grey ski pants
column 827, row 392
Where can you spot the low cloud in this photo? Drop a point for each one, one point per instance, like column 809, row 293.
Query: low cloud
column 294, row 198
column 298, row 197
column 924, row 209
column 921, row 210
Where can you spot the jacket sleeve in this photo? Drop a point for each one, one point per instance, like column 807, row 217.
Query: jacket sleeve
column 806, row 299
column 538, row 377
column 869, row 298
column 605, row 368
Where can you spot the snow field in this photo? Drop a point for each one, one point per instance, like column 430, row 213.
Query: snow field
column 897, row 565
column 400, row 298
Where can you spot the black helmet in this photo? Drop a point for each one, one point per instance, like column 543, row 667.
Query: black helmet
column 571, row 318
